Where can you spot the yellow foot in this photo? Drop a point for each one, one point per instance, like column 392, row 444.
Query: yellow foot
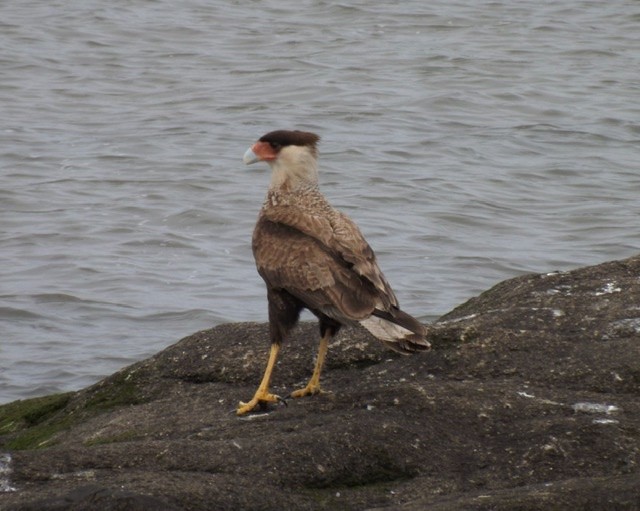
column 309, row 390
column 259, row 400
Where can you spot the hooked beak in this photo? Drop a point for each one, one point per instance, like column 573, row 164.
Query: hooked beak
column 260, row 151
column 250, row 157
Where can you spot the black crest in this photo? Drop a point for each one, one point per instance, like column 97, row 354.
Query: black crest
column 283, row 138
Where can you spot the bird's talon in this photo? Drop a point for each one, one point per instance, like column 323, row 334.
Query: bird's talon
column 307, row 391
column 259, row 401
column 283, row 401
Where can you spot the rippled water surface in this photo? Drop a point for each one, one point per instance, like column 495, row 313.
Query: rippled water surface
column 472, row 142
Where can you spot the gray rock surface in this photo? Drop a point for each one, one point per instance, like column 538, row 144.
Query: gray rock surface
column 529, row 400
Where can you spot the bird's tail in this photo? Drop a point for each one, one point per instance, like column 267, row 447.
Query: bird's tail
column 398, row 330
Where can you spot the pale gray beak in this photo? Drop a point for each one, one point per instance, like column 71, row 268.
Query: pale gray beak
column 250, row 157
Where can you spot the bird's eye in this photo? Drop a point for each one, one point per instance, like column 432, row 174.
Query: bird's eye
column 275, row 146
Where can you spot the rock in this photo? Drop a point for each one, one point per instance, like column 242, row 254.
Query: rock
column 97, row 497
column 529, row 400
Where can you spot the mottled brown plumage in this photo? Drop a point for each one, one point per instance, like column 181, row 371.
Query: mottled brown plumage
column 312, row 256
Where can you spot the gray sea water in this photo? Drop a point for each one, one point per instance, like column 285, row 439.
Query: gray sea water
column 471, row 141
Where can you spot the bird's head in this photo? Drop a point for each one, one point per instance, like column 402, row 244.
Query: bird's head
column 279, row 143
column 292, row 156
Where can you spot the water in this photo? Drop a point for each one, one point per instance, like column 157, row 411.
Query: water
column 471, row 141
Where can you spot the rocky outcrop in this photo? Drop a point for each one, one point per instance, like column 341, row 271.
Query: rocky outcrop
column 529, row 400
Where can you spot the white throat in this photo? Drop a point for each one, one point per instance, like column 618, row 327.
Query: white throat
column 295, row 168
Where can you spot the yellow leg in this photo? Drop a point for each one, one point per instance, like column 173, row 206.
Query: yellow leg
column 313, row 387
column 262, row 395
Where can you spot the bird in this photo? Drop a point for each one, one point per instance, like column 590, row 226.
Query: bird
column 312, row 256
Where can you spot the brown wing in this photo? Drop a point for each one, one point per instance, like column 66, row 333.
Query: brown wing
column 290, row 259
column 339, row 236
column 354, row 248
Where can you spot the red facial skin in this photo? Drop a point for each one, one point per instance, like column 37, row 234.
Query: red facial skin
column 264, row 151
